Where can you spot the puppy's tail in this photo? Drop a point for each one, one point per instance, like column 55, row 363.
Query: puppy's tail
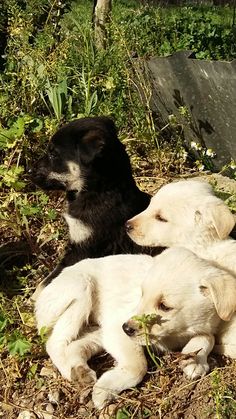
column 67, row 299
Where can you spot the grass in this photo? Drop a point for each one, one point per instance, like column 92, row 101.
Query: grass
column 51, row 73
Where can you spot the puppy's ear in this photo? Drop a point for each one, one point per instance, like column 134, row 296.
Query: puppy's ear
column 215, row 214
column 92, row 144
column 222, row 289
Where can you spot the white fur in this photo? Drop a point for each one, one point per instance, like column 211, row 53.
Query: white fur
column 87, row 304
column 192, row 217
column 90, row 301
column 72, row 179
column 78, row 231
column 184, row 213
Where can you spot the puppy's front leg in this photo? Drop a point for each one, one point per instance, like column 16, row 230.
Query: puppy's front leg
column 79, row 352
column 197, row 365
column 129, row 371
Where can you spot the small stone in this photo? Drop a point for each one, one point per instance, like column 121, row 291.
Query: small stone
column 49, row 408
column 6, row 407
column 54, row 396
column 47, row 415
column 26, row 414
column 47, row 372
column 82, row 411
column 108, row 412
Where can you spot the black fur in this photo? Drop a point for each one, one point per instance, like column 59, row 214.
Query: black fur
column 109, row 195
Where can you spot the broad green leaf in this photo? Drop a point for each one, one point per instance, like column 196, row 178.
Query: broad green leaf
column 9, row 136
column 122, row 414
column 19, row 346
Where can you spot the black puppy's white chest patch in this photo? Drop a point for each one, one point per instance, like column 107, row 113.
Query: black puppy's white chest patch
column 79, row 232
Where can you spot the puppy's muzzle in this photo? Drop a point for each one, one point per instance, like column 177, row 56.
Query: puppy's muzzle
column 130, row 331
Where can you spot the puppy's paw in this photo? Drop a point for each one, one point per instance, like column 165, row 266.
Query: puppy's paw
column 101, row 396
column 193, row 369
column 83, row 375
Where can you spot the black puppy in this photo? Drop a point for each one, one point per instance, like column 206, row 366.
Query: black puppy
column 86, row 159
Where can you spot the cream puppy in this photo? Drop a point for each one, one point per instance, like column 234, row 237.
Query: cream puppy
column 187, row 297
column 188, row 214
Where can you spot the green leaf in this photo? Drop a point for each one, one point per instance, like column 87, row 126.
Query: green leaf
column 57, row 96
column 36, row 125
column 18, row 127
column 122, row 414
column 33, row 369
column 29, row 210
column 3, row 140
column 8, row 136
column 2, row 341
column 43, row 333
column 10, row 176
column 3, row 322
column 18, row 345
column 52, row 214
column 43, row 198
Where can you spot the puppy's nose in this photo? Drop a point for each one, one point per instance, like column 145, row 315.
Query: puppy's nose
column 128, row 330
column 128, row 226
column 31, row 171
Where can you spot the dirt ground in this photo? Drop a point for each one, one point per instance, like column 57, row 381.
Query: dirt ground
column 31, row 387
column 164, row 393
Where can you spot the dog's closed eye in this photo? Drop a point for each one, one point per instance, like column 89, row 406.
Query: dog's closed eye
column 163, row 307
column 159, row 217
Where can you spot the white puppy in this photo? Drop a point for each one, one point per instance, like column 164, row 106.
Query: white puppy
column 190, row 298
column 85, row 307
column 187, row 214
column 178, row 288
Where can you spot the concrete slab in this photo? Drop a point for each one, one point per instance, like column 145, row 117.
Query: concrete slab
column 207, row 89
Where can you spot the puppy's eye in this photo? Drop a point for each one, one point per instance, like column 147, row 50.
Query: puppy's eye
column 160, row 218
column 163, row 307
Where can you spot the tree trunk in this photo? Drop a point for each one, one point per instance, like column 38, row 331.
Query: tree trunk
column 102, row 9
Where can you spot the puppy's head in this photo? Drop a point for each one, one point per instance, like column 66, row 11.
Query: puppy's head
column 182, row 296
column 82, row 146
column 181, row 213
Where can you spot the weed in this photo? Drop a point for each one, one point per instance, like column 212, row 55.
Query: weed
column 58, row 97
column 131, row 413
column 224, row 402
column 230, row 169
column 27, row 209
column 16, row 340
column 145, row 322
